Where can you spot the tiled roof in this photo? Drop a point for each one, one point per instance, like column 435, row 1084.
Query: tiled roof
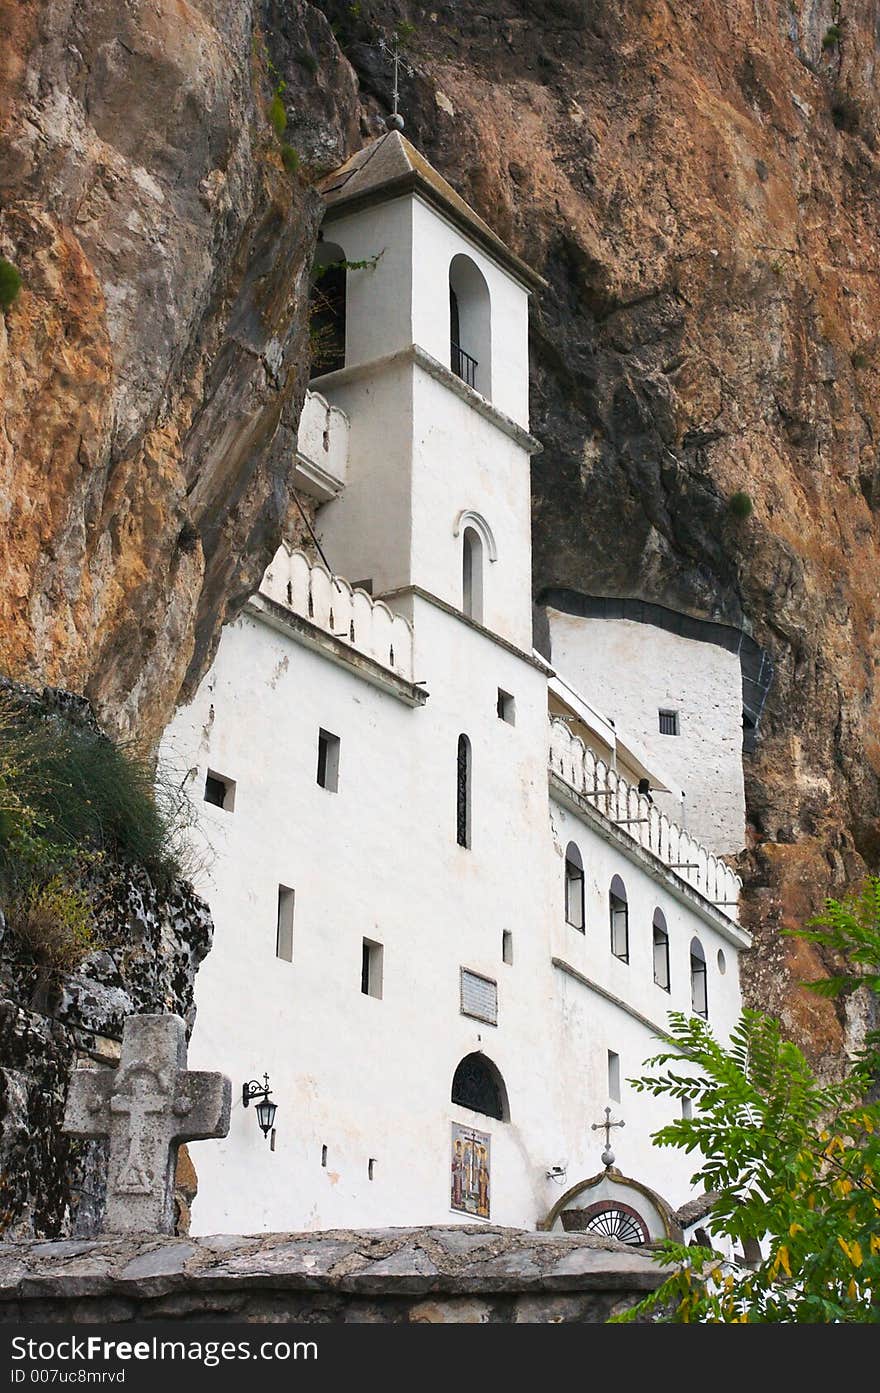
column 390, row 166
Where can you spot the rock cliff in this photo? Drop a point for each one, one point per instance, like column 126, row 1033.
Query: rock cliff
column 697, row 184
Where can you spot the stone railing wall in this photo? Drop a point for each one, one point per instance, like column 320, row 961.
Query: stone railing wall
column 634, row 813
column 351, row 616
column 403, row 1275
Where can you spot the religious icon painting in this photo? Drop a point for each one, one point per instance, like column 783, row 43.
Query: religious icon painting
column 470, row 1171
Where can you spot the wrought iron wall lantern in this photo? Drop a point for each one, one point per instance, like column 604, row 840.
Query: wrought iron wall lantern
column 265, row 1110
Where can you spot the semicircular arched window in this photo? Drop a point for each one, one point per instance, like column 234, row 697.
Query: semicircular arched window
column 478, row 1085
column 661, row 950
column 619, row 914
column 699, row 996
column 574, row 887
column 611, row 1219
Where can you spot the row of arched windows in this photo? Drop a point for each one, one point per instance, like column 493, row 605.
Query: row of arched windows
column 618, row 914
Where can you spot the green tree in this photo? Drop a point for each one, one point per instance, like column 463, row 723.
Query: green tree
column 795, row 1162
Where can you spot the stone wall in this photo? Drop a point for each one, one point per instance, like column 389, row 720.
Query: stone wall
column 465, row 1274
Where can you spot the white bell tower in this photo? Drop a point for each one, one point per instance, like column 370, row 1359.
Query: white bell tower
column 430, row 364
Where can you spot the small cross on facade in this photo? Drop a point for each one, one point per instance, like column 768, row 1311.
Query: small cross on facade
column 607, row 1154
column 147, row 1107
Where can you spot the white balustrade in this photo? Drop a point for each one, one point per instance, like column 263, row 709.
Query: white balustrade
column 636, row 815
column 321, row 448
column 351, row 616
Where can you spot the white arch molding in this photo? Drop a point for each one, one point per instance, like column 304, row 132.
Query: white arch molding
column 468, row 518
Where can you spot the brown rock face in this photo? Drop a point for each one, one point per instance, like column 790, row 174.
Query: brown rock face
column 698, row 185
column 153, row 366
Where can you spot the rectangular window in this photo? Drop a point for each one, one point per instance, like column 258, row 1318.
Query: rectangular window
column 687, row 1109
column 507, row 946
column 371, row 1168
column 668, row 722
column 372, row 955
column 506, row 707
column 479, row 997
column 284, row 928
column 328, row 760
column 220, row 791
column 614, row 1076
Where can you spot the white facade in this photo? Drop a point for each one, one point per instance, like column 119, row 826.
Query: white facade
column 633, row 671
column 338, row 716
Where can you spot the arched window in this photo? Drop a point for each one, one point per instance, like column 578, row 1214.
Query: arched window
column 470, row 327
column 699, row 999
column 327, row 310
column 619, row 919
column 661, row 950
column 477, row 1084
column 574, row 887
column 463, row 792
column 472, row 574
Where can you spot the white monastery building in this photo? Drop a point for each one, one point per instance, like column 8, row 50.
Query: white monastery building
column 452, row 909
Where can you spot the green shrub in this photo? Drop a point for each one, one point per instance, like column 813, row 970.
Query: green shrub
column 740, row 504
column 10, row 283
column 858, row 358
column 290, row 159
column 54, row 923
column 277, row 114
column 832, row 37
column 67, row 791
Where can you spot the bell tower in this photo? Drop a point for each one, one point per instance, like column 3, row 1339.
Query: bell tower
column 423, row 342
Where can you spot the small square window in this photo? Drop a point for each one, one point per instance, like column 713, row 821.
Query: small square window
column 507, row 946
column 506, row 707
column 328, row 760
column 372, row 955
column 668, row 722
column 284, row 929
column 220, row 791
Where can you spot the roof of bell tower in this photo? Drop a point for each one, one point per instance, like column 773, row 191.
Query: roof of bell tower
column 391, row 166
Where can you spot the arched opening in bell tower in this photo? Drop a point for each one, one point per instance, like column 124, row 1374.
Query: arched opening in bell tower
column 470, row 325
column 327, row 310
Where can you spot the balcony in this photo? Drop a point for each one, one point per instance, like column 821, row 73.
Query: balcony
column 616, row 800
column 463, row 365
column 321, row 449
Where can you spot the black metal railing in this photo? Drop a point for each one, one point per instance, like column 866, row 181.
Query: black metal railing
column 463, row 365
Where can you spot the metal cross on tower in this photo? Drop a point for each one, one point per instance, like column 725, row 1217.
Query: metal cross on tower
column 393, row 54
column 607, row 1154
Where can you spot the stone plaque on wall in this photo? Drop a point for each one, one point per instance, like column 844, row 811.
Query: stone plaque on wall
column 470, row 1171
column 479, row 997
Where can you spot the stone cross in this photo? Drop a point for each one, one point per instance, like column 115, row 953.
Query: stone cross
column 147, row 1107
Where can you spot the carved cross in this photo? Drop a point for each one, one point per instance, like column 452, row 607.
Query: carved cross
column 607, row 1154
column 147, row 1107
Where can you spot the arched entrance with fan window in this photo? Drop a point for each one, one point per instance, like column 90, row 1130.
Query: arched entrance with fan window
column 613, row 1205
